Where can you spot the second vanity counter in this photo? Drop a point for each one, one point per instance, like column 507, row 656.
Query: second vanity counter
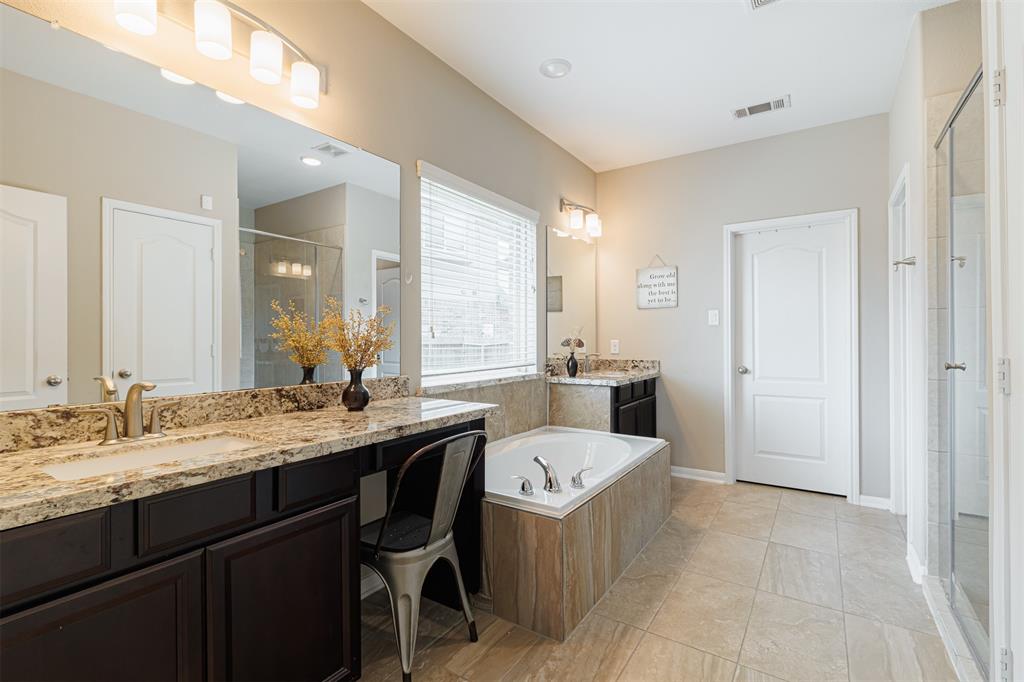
column 29, row 495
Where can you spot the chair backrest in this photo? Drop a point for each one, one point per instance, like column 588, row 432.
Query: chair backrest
column 461, row 454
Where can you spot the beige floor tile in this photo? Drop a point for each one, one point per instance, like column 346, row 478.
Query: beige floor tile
column 689, row 492
column 639, row 591
column 867, row 516
column 879, row 651
column 755, row 495
column 596, row 650
column 658, row 658
column 809, row 532
column 869, row 542
column 729, row 557
column 745, row 674
column 882, row 589
column 705, row 613
column 814, row 504
column 674, row 543
column 794, row 640
column 802, row 574
column 744, row 519
column 697, row 516
column 500, row 648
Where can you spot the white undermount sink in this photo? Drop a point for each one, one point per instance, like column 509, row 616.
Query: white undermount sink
column 148, row 454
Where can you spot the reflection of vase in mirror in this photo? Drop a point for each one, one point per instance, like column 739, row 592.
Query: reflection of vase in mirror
column 572, row 366
column 307, row 375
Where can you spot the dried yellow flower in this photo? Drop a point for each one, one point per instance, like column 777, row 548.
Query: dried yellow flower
column 358, row 339
column 295, row 331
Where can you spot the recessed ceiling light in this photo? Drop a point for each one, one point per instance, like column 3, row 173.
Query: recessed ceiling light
column 555, row 68
column 176, row 78
column 310, row 161
column 223, row 96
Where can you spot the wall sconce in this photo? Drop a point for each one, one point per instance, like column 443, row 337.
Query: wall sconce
column 212, row 26
column 584, row 222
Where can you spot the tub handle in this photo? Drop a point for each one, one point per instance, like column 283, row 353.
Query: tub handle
column 577, row 478
column 526, row 488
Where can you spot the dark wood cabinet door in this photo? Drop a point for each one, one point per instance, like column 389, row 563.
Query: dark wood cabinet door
column 646, row 418
column 282, row 602
column 627, row 419
column 146, row 625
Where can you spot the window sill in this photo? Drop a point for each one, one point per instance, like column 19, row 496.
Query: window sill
column 474, row 380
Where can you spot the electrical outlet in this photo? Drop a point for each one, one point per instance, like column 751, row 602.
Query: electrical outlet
column 712, row 318
column 615, row 346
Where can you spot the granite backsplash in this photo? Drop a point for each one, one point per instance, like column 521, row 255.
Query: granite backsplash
column 555, row 365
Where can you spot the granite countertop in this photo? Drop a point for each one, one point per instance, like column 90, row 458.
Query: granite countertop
column 606, row 377
column 28, row 495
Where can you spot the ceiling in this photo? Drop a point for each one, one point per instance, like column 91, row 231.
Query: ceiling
column 652, row 80
column 268, row 146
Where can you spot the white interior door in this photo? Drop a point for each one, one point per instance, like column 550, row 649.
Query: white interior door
column 160, row 297
column 33, row 299
column 389, row 291
column 793, row 322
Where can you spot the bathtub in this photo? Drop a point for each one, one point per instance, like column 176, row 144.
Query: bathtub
column 568, row 450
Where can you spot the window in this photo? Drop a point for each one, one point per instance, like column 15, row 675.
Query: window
column 478, row 281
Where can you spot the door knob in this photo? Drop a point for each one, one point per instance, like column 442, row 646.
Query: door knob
column 125, row 373
column 743, row 369
column 962, row 366
column 54, row 380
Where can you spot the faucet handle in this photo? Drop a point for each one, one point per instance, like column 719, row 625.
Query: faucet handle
column 144, row 385
column 526, row 488
column 577, row 478
column 110, row 435
column 108, row 389
column 155, row 427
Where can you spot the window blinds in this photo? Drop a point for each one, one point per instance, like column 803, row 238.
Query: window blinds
column 478, row 279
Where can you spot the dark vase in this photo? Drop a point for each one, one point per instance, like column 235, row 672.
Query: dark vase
column 355, row 396
column 307, row 375
column 571, row 366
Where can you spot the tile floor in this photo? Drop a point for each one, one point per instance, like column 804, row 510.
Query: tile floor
column 743, row 582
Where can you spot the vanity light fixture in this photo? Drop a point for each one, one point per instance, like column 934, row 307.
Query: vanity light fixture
column 176, row 77
column 584, row 222
column 310, row 161
column 265, row 55
column 593, row 225
column 213, row 29
column 138, row 16
column 225, row 97
column 576, row 219
column 305, row 85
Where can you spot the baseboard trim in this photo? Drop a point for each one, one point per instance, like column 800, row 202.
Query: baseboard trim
column 698, row 474
column 916, row 566
column 875, row 502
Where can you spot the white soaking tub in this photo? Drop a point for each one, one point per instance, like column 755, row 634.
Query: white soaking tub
column 568, row 450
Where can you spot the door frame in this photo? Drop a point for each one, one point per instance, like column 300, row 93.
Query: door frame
column 901, row 393
column 107, row 264
column 730, row 232
column 377, row 255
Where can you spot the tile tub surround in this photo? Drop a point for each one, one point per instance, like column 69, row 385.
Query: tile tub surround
column 522, row 402
column 546, row 574
column 579, row 406
column 27, row 429
column 28, row 495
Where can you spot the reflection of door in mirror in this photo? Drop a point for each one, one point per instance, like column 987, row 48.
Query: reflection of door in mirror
column 160, row 294
column 387, row 289
column 33, row 299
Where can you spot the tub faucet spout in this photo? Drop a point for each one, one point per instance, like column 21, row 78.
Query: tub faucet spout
column 551, row 484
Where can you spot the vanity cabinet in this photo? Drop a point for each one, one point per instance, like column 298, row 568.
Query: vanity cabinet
column 634, row 409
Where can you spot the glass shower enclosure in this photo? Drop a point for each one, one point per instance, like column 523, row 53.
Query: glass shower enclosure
column 964, row 464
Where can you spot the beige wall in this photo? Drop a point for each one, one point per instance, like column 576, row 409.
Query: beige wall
column 951, row 44
column 677, row 207
column 300, row 215
column 576, row 262
column 387, row 94
column 61, row 142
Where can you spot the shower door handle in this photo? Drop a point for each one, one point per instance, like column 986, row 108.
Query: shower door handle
column 962, row 366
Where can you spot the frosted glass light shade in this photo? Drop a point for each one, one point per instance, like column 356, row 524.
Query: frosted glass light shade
column 265, row 54
column 576, row 219
column 296, row 268
column 307, row 270
column 138, row 16
column 213, row 29
column 305, row 85
column 282, row 267
column 593, row 225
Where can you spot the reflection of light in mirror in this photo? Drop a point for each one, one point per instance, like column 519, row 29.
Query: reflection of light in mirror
column 213, row 29
column 307, row 270
column 265, row 53
column 305, row 85
column 138, row 16
column 224, row 97
column 310, row 161
column 282, row 268
column 176, row 77
column 296, row 268
column 559, row 233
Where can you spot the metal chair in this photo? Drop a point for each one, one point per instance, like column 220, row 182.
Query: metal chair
column 403, row 546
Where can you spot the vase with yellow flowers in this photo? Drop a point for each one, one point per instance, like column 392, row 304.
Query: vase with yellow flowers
column 295, row 331
column 359, row 340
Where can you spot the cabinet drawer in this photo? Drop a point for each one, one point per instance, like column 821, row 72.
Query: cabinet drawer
column 317, row 480
column 45, row 556
column 623, row 394
column 179, row 517
column 648, row 388
column 392, row 454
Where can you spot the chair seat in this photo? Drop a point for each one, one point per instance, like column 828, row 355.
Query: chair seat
column 405, row 531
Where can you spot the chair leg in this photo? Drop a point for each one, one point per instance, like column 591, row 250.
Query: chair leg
column 452, row 557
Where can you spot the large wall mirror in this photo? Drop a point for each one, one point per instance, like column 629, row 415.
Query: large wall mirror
column 571, row 292
column 149, row 222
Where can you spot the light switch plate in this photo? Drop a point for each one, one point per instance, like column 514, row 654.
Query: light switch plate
column 615, row 346
column 712, row 318
column 206, row 201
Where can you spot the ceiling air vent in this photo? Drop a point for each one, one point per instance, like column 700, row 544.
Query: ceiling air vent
column 758, row 4
column 771, row 105
column 330, row 149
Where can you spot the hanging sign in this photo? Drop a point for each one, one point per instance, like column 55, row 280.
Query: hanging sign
column 656, row 288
